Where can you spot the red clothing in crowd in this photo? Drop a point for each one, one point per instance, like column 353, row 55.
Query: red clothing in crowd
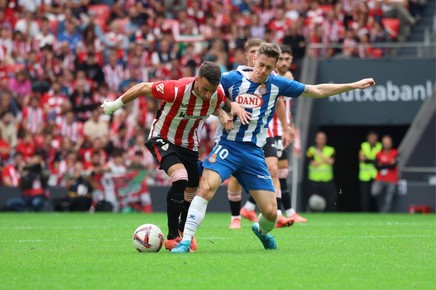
column 387, row 157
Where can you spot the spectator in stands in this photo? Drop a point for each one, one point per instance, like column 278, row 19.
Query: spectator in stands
column 117, row 165
column 95, row 128
column 33, row 116
column 33, row 183
column 71, row 128
column 70, row 35
column 11, row 172
column 82, row 102
column 20, row 87
column 321, row 178
column 8, row 128
column 92, row 69
column 55, row 103
column 79, row 191
column 45, row 35
column 27, row 25
column 114, row 71
column 5, row 150
column 398, row 9
column 26, row 146
column 297, row 42
column 384, row 186
column 8, row 104
column 115, row 38
column 6, row 43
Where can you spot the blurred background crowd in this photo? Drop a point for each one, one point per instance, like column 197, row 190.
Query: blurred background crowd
column 59, row 59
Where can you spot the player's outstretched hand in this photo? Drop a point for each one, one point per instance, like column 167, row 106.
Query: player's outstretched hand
column 110, row 106
column 238, row 110
column 365, row 83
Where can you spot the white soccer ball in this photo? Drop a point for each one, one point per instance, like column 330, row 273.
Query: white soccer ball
column 148, row 238
column 317, row 202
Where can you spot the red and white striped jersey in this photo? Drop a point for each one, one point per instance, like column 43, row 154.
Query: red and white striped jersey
column 182, row 115
column 33, row 119
column 275, row 126
column 73, row 130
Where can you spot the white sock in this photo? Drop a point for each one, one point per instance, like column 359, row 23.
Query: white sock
column 290, row 212
column 249, row 206
column 236, row 217
column 265, row 225
column 196, row 213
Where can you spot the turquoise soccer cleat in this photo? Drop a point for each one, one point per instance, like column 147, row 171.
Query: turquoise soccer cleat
column 268, row 241
column 182, row 247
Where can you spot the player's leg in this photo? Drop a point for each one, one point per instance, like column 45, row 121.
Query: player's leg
column 272, row 162
column 248, row 210
column 167, row 155
column 219, row 165
column 190, row 161
column 256, row 179
column 283, row 173
column 175, row 198
column 234, row 194
column 209, row 184
column 267, row 204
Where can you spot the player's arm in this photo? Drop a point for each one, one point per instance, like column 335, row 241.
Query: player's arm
column 141, row 89
column 225, row 120
column 327, row 90
column 287, row 136
column 237, row 110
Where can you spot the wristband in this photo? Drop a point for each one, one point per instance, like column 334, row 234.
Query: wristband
column 118, row 103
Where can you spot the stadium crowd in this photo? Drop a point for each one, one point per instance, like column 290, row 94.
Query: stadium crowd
column 59, row 59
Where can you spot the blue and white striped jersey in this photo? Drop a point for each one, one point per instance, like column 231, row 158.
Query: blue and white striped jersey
column 259, row 99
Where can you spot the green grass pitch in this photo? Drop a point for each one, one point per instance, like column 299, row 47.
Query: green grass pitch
column 331, row 251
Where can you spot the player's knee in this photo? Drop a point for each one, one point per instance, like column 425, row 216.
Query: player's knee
column 179, row 180
column 270, row 213
column 273, row 170
column 206, row 191
column 234, row 195
column 189, row 196
column 283, row 173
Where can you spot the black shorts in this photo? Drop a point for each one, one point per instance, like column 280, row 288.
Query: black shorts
column 270, row 149
column 282, row 154
column 167, row 154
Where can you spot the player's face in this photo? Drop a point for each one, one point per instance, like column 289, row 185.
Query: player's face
column 203, row 88
column 250, row 54
column 263, row 67
column 284, row 63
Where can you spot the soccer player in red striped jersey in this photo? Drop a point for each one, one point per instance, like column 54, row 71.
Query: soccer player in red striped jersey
column 175, row 133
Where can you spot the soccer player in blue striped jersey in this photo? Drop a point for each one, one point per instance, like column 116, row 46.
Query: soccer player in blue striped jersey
column 238, row 152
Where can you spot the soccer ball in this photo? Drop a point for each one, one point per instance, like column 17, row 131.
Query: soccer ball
column 317, row 202
column 148, row 238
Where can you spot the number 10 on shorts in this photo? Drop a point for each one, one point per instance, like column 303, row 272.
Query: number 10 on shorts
column 221, row 152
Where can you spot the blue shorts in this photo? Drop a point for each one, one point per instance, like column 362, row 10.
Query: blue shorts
column 244, row 160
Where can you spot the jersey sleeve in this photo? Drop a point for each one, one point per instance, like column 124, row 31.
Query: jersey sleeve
column 164, row 90
column 221, row 97
column 226, row 82
column 290, row 88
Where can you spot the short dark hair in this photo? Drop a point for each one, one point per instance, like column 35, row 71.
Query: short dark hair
column 252, row 42
column 286, row 49
column 211, row 72
column 270, row 50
